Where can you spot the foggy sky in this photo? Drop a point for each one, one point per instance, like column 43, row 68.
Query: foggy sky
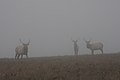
column 51, row 25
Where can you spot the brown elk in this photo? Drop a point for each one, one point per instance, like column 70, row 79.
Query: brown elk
column 94, row 46
column 76, row 47
column 21, row 50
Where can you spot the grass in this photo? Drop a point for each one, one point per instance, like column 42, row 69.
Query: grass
column 84, row 67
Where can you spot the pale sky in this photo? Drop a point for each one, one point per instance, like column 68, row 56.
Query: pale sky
column 51, row 25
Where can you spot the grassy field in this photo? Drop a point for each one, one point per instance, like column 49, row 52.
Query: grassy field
column 83, row 67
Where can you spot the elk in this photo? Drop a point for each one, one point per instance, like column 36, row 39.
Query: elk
column 94, row 46
column 76, row 47
column 21, row 50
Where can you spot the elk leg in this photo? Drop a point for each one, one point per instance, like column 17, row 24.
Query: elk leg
column 76, row 52
column 21, row 56
column 18, row 56
column 26, row 56
column 15, row 56
column 92, row 52
column 101, row 50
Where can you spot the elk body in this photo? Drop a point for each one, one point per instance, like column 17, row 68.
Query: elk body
column 21, row 50
column 76, row 47
column 94, row 46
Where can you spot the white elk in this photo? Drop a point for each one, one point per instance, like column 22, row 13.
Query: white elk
column 21, row 50
column 94, row 46
column 76, row 47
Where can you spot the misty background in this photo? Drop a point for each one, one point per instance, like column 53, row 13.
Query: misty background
column 51, row 25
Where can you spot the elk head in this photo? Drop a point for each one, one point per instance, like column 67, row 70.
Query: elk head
column 87, row 43
column 25, row 45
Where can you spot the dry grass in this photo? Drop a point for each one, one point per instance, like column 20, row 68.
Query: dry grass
column 85, row 67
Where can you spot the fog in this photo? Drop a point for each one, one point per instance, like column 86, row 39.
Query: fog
column 51, row 25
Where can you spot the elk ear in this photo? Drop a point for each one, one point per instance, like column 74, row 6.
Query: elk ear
column 89, row 41
column 76, row 40
column 28, row 42
column 86, row 41
column 73, row 41
column 21, row 41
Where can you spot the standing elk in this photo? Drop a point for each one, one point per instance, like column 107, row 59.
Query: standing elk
column 94, row 46
column 76, row 47
column 21, row 50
